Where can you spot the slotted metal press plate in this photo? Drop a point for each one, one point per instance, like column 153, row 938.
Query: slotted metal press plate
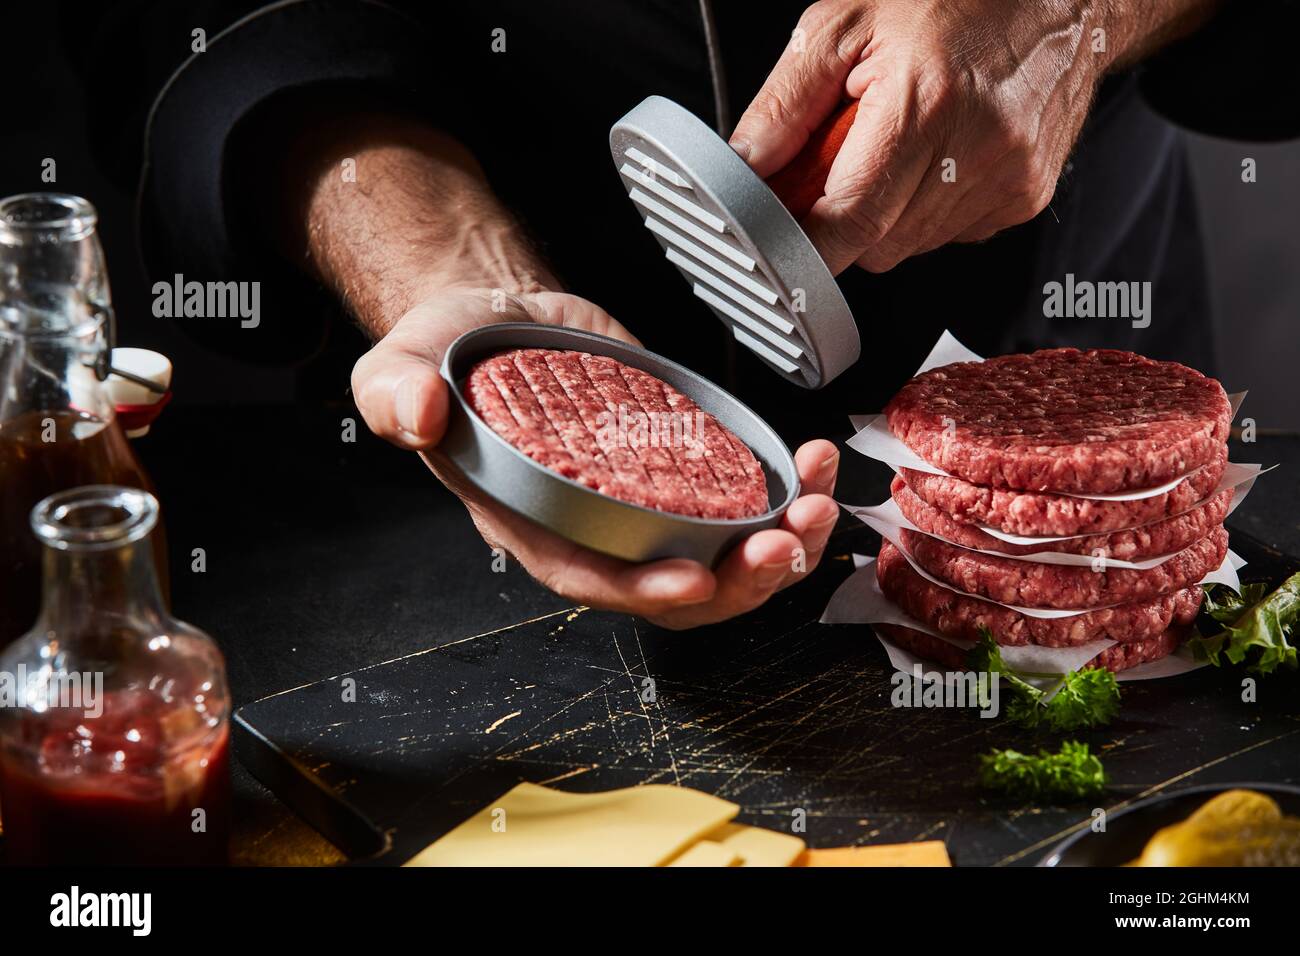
column 739, row 248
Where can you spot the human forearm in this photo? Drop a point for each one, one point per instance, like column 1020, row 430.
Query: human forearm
column 1138, row 28
column 410, row 216
column 968, row 110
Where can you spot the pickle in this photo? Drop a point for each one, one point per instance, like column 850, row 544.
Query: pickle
column 1235, row 828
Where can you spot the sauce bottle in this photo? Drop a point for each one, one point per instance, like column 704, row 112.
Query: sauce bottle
column 114, row 730
column 57, row 423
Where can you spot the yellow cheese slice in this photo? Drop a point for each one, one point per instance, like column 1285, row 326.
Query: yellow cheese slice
column 537, row 826
column 707, row 853
column 757, row 846
column 927, row 853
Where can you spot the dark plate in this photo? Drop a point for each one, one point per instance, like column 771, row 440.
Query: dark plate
column 1128, row 830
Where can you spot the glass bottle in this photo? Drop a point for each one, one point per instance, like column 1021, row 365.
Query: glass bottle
column 114, row 732
column 57, row 425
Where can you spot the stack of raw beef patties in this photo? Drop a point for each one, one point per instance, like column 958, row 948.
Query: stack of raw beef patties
column 1033, row 445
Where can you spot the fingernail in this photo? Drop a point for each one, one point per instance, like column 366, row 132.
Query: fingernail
column 672, row 583
column 700, row 597
column 742, row 148
column 767, row 575
column 404, row 406
column 826, row 523
column 825, row 467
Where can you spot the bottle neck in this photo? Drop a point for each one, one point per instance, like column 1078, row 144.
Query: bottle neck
column 54, row 372
column 55, row 307
column 102, row 591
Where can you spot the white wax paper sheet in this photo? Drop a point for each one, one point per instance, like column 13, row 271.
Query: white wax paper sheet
column 859, row 600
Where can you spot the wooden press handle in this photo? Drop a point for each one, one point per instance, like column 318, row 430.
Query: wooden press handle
column 803, row 181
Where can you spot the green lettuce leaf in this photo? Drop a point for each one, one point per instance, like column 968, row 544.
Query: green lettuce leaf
column 1251, row 626
column 1223, row 605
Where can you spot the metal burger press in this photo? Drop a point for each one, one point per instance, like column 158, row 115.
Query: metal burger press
column 746, row 257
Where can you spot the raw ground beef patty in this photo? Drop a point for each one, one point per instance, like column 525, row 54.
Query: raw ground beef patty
column 1148, row 541
column 957, row 615
column 1116, row 658
column 1063, row 420
column 1035, row 584
column 617, row 430
column 1043, row 513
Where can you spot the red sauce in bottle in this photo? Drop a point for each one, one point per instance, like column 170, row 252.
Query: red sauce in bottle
column 109, row 789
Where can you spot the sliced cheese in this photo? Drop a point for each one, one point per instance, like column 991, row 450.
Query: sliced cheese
column 537, row 826
column 757, row 846
column 707, row 853
column 927, row 853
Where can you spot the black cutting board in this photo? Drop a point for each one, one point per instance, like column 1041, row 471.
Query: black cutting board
column 773, row 711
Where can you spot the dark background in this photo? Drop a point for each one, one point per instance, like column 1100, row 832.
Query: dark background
column 1253, row 247
column 311, row 540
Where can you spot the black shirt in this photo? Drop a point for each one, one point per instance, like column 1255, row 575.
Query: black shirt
column 538, row 114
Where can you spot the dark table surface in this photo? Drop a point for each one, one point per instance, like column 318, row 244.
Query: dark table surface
column 324, row 556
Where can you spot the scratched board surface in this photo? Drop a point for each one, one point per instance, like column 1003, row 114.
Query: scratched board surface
column 774, row 712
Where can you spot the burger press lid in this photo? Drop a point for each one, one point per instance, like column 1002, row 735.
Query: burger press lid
column 730, row 237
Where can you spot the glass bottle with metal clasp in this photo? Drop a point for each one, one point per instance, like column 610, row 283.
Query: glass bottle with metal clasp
column 57, row 422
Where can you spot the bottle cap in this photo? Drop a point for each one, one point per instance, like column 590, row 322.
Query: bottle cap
column 137, row 403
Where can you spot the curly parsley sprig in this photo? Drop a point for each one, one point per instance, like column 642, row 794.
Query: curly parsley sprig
column 1086, row 698
column 1072, row 773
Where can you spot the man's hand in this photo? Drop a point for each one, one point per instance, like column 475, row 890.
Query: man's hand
column 968, row 110
column 404, row 399
column 674, row 593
